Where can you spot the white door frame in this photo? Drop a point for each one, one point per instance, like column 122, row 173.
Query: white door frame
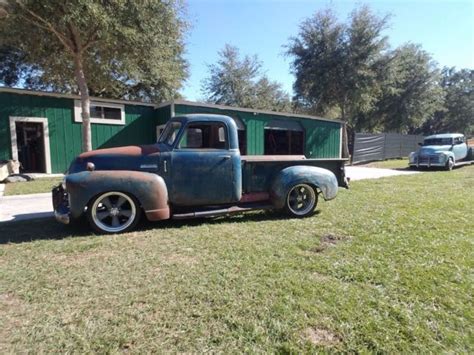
column 44, row 121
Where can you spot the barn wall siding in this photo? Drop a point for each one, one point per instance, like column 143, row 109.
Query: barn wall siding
column 65, row 135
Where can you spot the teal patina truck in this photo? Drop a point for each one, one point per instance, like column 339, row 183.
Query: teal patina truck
column 194, row 170
column 442, row 151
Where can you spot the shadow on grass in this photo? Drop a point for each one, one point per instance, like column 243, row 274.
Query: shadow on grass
column 50, row 229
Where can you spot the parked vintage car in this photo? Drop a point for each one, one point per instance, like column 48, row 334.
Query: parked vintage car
column 194, row 170
column 442, row 150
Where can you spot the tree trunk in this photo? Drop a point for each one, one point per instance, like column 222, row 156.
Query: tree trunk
column 85, row 104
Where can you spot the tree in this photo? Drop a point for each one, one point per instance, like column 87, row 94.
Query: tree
column 116, row 48
column 338, row 64
column 457, row 114
column 238, row 82
column 410, row 90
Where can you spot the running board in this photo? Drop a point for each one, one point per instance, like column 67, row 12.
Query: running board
column 221, row 212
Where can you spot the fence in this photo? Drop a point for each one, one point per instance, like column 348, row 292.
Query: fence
column 370, row 147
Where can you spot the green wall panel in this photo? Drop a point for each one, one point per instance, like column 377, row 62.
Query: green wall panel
column 65, row 135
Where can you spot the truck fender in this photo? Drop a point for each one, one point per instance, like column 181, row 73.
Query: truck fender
column 322, row 179
column 149, row 189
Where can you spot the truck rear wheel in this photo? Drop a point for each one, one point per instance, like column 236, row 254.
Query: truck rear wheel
column 113, row 212
column 301, row 201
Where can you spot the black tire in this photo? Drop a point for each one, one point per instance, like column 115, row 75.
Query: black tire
column 113, row 212
column 449, row 164
column 301, row 200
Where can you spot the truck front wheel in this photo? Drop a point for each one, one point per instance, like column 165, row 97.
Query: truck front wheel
column 449, row 164
column 301, row 201
column 113, row 212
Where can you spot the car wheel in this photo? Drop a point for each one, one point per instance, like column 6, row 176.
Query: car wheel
column 301, row 201
column 113, row 212
column 449, row 164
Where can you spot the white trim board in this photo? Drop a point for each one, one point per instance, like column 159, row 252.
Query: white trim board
column 14, row 145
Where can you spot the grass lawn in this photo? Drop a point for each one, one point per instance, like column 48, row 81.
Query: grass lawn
column 31, row 187
column 386, row 267
column 389, row 164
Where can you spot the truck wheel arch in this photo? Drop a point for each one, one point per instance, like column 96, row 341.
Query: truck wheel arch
column 322, row 180
column 147, row 188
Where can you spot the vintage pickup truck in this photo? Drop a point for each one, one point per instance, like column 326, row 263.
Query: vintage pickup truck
column 194, row 170
column 442, row 151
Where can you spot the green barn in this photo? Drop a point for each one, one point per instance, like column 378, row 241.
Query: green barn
column 42, row 130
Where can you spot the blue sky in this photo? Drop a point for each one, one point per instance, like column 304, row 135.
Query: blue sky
column 444, row 28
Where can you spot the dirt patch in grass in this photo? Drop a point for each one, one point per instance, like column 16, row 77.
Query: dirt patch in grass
column 321, row 337
column 328, row 240
column 182, row 259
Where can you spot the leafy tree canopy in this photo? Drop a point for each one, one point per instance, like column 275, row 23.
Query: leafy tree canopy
column 127, row 49
column 237, row 81
column 410, row 90
column 338, row 64
column 457, row 114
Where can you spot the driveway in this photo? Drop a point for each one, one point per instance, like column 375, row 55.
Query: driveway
column 23, row 207
column 362, row 173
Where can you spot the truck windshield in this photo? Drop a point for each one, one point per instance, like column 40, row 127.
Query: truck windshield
column 170, row 133
column 438, row 141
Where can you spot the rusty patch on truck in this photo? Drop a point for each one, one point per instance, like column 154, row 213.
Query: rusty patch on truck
column 131, row 150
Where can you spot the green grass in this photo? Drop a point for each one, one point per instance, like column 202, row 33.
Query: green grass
column 31, row 187
column 389, row 164
column 385, row 267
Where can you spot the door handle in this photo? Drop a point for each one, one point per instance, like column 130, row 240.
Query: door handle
column 224, row 157
column 165, row 166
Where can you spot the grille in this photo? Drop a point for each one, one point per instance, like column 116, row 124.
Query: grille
column 425, row 159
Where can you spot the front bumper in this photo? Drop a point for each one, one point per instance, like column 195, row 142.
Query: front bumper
column 61, row 205
column 428, row 161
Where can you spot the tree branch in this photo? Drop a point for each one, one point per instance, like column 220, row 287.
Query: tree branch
column 47, row 26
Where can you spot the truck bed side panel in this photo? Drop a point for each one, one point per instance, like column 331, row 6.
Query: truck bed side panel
column 258, row 175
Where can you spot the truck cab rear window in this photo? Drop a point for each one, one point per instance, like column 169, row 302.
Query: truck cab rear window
column 204, row 136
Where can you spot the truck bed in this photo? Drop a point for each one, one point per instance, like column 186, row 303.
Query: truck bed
column 258, row 170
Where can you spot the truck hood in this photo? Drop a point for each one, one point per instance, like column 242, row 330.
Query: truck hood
column 134, row 157
column 433, row 149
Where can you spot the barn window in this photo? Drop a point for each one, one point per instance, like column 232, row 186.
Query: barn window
column 284, row 138
column 102, row 112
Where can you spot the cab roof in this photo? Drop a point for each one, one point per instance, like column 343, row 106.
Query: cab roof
column 445, row 135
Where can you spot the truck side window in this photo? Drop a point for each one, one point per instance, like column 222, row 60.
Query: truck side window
column 204, row 136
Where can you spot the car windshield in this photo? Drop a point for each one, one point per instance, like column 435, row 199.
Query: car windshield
column 170, row 133
column 438, row 141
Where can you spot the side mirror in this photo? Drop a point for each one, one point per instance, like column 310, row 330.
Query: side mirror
column 420, row 144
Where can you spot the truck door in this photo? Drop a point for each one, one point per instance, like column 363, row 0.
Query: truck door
column 202, row 166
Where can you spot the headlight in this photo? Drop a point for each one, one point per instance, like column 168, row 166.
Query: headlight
column 442, row 158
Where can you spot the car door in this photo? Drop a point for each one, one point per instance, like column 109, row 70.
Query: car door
column 459, row 148
column 201, row 166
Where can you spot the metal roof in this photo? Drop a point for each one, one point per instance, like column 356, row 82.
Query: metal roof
column 243, row 109
column 71, row 96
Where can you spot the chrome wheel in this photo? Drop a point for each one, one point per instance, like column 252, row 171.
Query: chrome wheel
column 113, row 212
column 301, row 200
